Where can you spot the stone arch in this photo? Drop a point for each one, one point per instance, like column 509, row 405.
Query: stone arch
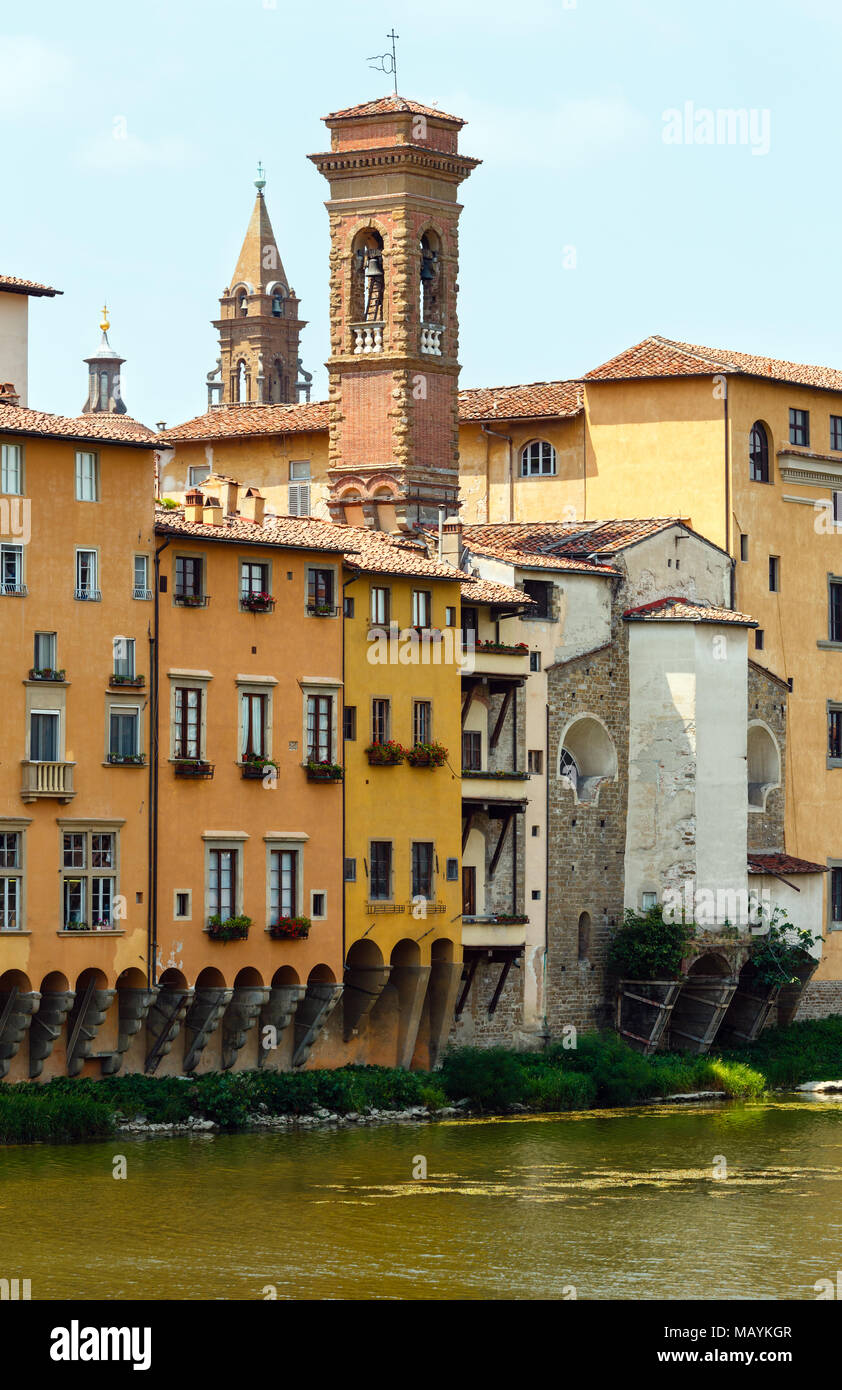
column 321, row 975
column 248, row 978
column 285, row 977
column 131, row 978
column 587, row 757
column 760, row 452
column 406, row 952
column 368, row 275
column 210, row 978
column 584, row 938
column 710, row 963
column 442, row 951
column 173, row 979
column 14, row 979
column 431, row 274
column 365, row 954
column 91, row 972
column 763, row 764
column 54, row 983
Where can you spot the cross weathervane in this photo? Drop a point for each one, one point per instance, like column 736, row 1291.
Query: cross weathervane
column 387, row 62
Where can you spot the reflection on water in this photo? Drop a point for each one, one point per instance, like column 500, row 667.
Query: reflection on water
column 617, row 1204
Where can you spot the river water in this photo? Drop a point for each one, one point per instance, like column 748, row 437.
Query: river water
column 614, row 1204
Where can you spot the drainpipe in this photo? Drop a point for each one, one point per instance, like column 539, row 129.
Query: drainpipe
column 347, row 582
column 154, row 702
column 508, row 438
column 546, row 862
column 728, row 488
column 441, row 531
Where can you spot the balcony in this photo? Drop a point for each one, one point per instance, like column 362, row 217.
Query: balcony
column 192, row 767
column 482, row 785
column 14, row 590
column 366, row 338
column 494, row 929
column 431, row 339
column 323, row 771
column 191, row 600
column 497, row 659
column 143, row 594
column 48, row 673
column 322, row 610
column 42, row 780
column 88, row 595
column 257, row 603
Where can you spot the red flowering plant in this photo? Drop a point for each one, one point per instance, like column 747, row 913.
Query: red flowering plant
column 386, row 754
column 290, row 928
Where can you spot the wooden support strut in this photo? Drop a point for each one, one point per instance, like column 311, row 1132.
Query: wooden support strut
column 469, row 980
column 501, row 718
column 153, row 1055
column 467, row 828
column 466, row 703
column 7, row 1010
column 507, row 965
column 80, row 1019
column 495, row 858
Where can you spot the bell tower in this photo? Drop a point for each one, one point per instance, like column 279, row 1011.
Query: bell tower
column 104, row 395
column 394, row 171
column 259, row 327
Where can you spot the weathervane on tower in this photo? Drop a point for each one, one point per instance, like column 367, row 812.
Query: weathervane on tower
column 260, row 181
column 387, row 62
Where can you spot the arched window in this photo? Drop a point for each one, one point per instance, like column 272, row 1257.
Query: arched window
column 758, row 453
column 368, row 277
column 278, row 303
column 587, row 757
column 431, row 279
column 584, row 936
column 537, row 459
column 763, row 763
column 103, row 390
column 243, row 305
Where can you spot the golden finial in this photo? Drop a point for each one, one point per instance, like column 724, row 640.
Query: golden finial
column 105, row 325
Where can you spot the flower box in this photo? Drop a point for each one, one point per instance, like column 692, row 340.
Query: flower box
column 127, row 759
column 77, row 926
column 46, row 673
column 135, row 681
column 191, row 600
column 496, row 776
column 324, row 772
column 322, row 610
column 257, row 603
column 385, row 754
column 255, row 769
column 427, row 755
column 503, row 648
column 290, row 928
column 192, row 767
column 228, row 928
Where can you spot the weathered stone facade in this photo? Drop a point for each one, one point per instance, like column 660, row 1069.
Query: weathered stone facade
column 767, row 697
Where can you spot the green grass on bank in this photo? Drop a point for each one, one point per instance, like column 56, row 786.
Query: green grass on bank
column 601, row 1071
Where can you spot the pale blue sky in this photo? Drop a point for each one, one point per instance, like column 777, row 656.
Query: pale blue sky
column 710, row 243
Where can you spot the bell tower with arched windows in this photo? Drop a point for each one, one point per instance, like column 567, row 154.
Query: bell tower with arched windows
column 394, row 171
column 104, row 396
column 259, row 327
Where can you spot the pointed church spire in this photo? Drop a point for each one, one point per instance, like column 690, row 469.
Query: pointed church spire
column 259, row 327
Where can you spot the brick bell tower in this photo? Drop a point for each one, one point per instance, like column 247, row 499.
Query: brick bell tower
column 394, row 171
column 259, row 328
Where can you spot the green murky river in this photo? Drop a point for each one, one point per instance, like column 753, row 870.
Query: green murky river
column 616, row 1204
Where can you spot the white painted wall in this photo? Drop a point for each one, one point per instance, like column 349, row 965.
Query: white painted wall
column 14, row 342
column 675, row 562
column 803, row 903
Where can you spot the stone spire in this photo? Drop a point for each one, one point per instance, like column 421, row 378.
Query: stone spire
column 104, row 396
column 259, row 327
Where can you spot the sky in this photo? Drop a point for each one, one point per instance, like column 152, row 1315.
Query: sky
column 610, row 204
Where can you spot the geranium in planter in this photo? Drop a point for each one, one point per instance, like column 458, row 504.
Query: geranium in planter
column 488, row 644
column 192, row 767
column 321, row 610
column 257, row 602
column 427, row 755
column 228, row 928
column 191, row 600
column 255, row 769
column 290, row 928
column 127, row 680
column 387, row 754
column 46, row 673
column 324, row 771
column 126, row 759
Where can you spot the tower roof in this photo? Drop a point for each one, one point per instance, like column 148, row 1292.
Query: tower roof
column 392, row 105
column 259, row 262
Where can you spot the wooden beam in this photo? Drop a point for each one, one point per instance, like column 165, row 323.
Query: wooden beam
column 466, row 703
column 469, row 980
column 467, row 827
column 495, row 858
column 501, row 718
column 500, row 983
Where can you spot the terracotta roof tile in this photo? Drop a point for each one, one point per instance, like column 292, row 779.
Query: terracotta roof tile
column 536, row 400
column 379, row 552
column 103, row 429
column 393, row 104
column 250, row 420
column 501, row 595
column 562, row 545
column 288, row 532
column 782, row 864
column 664, row 357
column 685, row 610
column 13, row 285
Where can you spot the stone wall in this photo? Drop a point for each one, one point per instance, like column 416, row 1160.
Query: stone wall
column 767, row 696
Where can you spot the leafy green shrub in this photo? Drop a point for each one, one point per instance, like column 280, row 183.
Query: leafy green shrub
column 561, row 1090
column 781, row 952
column 646, row 947
column 491, row 1078
column 735, row 1077
column 30, row 1118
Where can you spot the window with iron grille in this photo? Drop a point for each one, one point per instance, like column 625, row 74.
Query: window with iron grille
column 422, row 869
column 799, row 427
column 188, row 722
column 472, row 750
column 535, row 760
column 380, row 874
column 11, row 569
column 350, row 871
column 86, row 574
column 141, row 589
column 451, row 870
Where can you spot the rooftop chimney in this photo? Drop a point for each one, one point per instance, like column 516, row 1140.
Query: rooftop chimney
column 193, row 505
column 253, row 507
column 451, row 541
column 212, row 512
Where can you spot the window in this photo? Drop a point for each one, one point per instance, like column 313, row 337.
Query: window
column 319, row 728
column 348, row 606
column 299, row 488
column 422, row 721
column 318, row 905
column 744, row 548
column 183, row 909
column 283, row 883
column 774, row 574
column 44, row 736
column 837, row 508
column 86, row 576
column 187, row 742
column 124, row 654
column 472, row 750
column 222, row 883
column 648, row 901
column 380, row 878
column 140, row 584
column 758, row 639
column 470, row 621
column 422, row 869
column 11, row 469
column 188, row 577
column 422, row 608
column 320, row 592
column 253, row 721
column 88, row 893
column 254, row 578
column 836, row 897
column 536, row 894
column 758, row 454
column 799, row 427
column 535, row 761
column 450, row 617
column 349, row 722
column 834, row 589
column 834, row 734
column 380, row 606
column 451, row 870
column 11, row 569
column 836, row 431
column 124, row 732
column 87, row 477
column 44, row 657
column 537, row 458
column 10, row 880
column 380, row 721
column 534, row 661
column 350, row 873
column 277, row 305
column 469, row 890
column 541, row 590
column 196, row 474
